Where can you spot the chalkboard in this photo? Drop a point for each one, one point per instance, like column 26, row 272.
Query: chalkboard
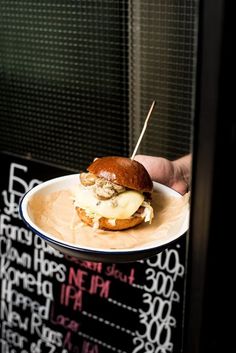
column 55, row 303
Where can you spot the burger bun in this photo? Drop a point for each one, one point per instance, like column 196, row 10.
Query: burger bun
column 106, row 224
column 122, row 171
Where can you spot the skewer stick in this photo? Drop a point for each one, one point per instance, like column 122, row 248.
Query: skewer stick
column 143, row 130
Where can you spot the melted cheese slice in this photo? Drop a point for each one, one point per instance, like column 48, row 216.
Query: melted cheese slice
column 123, row 206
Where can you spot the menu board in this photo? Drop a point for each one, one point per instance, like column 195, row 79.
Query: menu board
column 56, row 303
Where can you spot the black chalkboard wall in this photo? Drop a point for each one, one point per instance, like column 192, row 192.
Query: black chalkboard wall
column 123, row 308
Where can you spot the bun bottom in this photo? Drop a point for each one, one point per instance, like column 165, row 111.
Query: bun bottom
column 103, row 223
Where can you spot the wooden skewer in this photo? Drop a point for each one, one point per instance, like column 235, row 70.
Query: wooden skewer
column 143, row 130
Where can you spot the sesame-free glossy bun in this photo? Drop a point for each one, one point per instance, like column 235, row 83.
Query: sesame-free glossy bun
column 122, row 171
column 103, row 223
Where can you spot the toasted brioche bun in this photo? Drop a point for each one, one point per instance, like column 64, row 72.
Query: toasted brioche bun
column 122, row 171
column 120, row 224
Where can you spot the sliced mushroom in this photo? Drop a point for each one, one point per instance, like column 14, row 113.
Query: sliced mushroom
column 105, row 189
column 87, row 179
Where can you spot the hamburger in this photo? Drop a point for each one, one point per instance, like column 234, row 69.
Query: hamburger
column 114, row 194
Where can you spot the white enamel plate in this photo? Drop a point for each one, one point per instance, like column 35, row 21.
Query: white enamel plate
column 58, row 224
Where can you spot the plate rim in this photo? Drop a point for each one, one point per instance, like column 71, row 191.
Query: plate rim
column 83, row 249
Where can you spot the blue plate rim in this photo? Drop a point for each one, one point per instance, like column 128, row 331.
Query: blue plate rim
column 84, row 250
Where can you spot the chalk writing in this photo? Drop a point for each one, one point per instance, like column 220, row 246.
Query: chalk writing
column 95, row 285
column 113, row 271
column 11, row 337
column 64, row 321
column 13, row 232
column 51, row 303
column 42, row 245
column 17, row 187
column 48, row 268
column 155, row 315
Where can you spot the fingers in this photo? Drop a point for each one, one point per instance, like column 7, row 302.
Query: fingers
column 159, row 169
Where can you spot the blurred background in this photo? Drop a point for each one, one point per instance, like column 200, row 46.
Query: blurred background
column 77, row 78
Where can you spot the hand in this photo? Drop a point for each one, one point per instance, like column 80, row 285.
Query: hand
column 175, row 174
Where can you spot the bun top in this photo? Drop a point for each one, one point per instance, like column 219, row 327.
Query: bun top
column 122, row 171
